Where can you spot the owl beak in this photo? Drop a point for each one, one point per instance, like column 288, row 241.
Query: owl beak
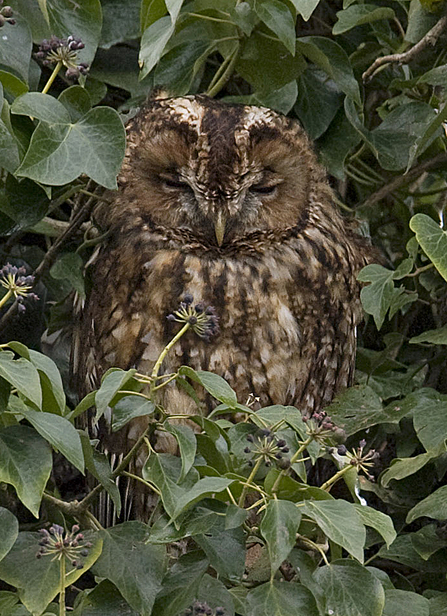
column 219, row 227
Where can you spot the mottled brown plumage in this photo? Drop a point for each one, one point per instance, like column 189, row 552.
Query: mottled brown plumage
column 229, row 204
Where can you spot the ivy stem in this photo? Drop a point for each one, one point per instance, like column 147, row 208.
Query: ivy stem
column 293, row 459
column 62, row 586
column 5, row 298
column 52, row 77
column 249, row 481
column 224, row 72
column 163, row 354
column 338, row 475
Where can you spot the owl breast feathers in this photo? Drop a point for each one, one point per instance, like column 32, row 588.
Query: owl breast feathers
column 226, row 203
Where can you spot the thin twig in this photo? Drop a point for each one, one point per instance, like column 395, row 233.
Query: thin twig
column 403, row 58
column 401, row 180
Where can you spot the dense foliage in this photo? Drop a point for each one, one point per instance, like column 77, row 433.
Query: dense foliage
column 271, row 515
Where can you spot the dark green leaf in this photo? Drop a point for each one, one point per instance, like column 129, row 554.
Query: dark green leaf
column 313, row 85
column 333, row 60
column 279, row 526
column 340, row 522
column 153, row 43
column 150, row 11
column 12, row 84
column 15, row 48
column 60, row 433
column 381, row 522
column 177, row 69
column 278, row 18
column 213, row 383
column 244, row 17
column 405, row 603
column 120, row 21
column 431, row 336
column 235, row 516
column 25, row 463
column 22, row 375
column 133, row 565
column 360, row 14
column 38, row 580
column 9, row 153
column 180, row 586
column 278, row 599
column 104, row 600
column 98, row 465
column 336, row 143
column 226, row 551
column 76, row 101
column 429, row 411
column 69, row 267
column 258, row 64
column 129, row 407
column 215, row 594
column 9, row 530
column 202, row 489
column 404, row 467
column 41, row 107
column 434, row 506
column 112, row 382
column 350, row 590
column 187, row 443
column 59, row 153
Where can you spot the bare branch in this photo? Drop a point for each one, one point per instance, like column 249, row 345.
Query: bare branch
column 403, row 58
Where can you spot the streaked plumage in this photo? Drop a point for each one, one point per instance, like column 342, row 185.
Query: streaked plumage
column 229, row 204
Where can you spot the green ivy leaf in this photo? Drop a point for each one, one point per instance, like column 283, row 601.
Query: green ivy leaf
column 187, row 443
column 9, row 530
column 76, row 101
column 340, row 522
column 225, row 550
column 431, row 336
column 12, row 84
column 279, row 526
column 405, row 603
column 314, row 85
column 59, row 153
column 112, row 382
column 38, row 580
column 204, row 488
column 404, row 467
column 350, row 589
column 305, row 7
column 15, row 48
column 289, row 599
column 41, row 107
column 151, row 11
column 429, row 411
column 181, row 584
column 133, row 565
column 9, row 152
column 433, row 241
column 333, row 60
column 60, row 433
column 153, row 43
column 360, row 14
column 103, row 600
column 434, row 506
column 129, row 407
column 244, row 17
column 278, row 18
column 22, row 375
column 70, row 267
column 25, row 463
column 213, row 383
column 381, row 522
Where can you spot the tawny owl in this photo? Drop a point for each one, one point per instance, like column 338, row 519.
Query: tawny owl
column 226, row 203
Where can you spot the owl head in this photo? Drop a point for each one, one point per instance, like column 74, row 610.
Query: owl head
column 219, row 171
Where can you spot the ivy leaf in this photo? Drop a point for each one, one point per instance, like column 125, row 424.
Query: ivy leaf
column 41, row 107
column 349, row 588
column 279, row 526
column 69, row 267
column 15, row 48
column 333, row 60
column 59, row 153
column 340, row 522
column 381, row 522
column 314, row 85
column 22, row 375
column 404, row 467
column 434, row 506
column 180, row 586
column 25, row 463
column 433, row 241
column 225, row 550
column 405, row 603
column 187, row 443
column 305, row 7
column 60, row 433
column 9, row 530
column 112, row 382
column 133, row 565
column 278, row 18
column 129, row 407
column 213, row 383
column 289, row 599
column 9, row 152
column 429, row 410
column 205, row 487
column 360, row 14
column 431, row 336
column 153, row 43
